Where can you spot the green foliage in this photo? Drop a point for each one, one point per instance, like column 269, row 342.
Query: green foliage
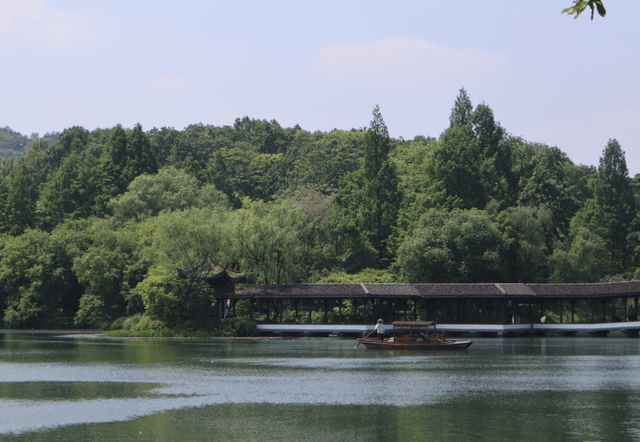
column 587, row 260
column 612, row 210
column 187, row 241
column 456, row 246
column 71, row 192
column 245, row 327
column 168, row 190
column 108, row 268
column 367, row 275
column 320, row 159
column 268, row 136
column 173, row 300
column 13, row 144
column 370, row 196
column 580, row 5
column 266, row 240
column 542, row 182
column 37, row 283
column 461, row 111
column 526, row 230
column 341, row 244
column 19, row 205
column 469, row 166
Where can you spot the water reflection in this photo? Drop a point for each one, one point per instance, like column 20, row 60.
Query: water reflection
column 317, row 389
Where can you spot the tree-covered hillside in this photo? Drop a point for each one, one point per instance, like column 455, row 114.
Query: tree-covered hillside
column 114, row 222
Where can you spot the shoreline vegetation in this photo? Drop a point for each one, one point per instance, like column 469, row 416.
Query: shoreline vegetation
column 122, row 229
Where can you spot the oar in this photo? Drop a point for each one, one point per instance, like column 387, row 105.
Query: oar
column 356, row 346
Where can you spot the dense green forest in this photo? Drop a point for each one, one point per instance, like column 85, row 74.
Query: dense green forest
column 99, row 226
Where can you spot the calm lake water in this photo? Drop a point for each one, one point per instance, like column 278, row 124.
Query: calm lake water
column 518, row 389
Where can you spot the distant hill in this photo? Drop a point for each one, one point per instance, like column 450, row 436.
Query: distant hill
column 15, row 145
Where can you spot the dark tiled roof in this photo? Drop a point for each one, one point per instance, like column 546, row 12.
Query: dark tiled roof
column 587, row 290
column 516, row 289
column 437, row 290
column 390, row 289
column 301, row 290
column 444, row 290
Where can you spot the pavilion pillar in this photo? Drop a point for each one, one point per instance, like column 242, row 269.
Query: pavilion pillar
column 561, row 309
column 364, row 312
column 604, row 310
column 310, row 311
column 406, row 304
column 297, row 305
column 339, row 311
column 475, row 307
column 613, row 310
column 446, row 310
column 626, row 299
column 354, row 303
column 573, row 305
column 326, row 312
column 415, row 309
column 268, row 308
column 252, row 302
column 485, row 312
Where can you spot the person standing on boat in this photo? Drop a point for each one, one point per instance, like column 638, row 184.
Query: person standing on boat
column 380, row 329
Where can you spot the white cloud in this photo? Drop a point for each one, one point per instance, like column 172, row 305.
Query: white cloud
column 169, row 81
column 37, row 21
column 403, row 60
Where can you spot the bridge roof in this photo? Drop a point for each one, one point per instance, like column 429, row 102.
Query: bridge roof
column 437, row 290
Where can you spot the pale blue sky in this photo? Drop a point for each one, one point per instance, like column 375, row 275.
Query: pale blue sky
column 324, row 65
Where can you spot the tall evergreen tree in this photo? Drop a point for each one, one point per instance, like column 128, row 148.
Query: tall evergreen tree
column 461, row 111
column 612, row 210
column 20, row 205
column 371, row 193
column 141, row 158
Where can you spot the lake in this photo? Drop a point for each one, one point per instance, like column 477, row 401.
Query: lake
column 517, row 389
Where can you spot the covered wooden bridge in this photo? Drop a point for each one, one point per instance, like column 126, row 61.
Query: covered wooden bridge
column 486, row 303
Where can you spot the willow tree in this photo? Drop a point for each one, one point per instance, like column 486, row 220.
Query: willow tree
column 266, row 239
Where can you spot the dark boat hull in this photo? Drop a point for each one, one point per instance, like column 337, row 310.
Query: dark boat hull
column 446, row 345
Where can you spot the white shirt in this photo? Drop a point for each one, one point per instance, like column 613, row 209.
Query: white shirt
column 380, row 327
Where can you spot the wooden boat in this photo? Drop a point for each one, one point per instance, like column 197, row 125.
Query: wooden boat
column 415, row 335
